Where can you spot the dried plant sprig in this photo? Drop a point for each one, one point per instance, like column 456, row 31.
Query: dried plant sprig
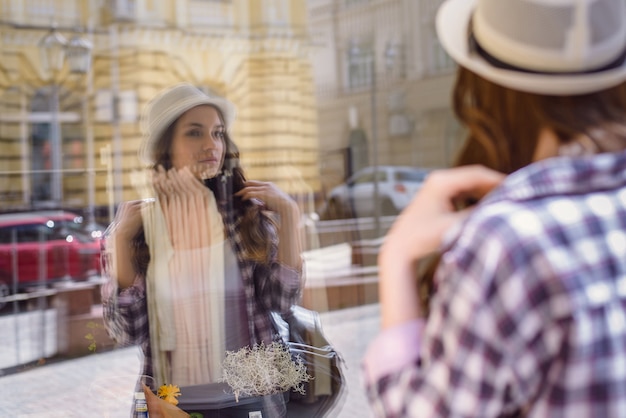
column 263, row 370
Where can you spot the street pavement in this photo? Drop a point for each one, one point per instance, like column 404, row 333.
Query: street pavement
column 101, row 384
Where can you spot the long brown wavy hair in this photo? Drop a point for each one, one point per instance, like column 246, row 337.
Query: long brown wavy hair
column 255, row 237
column 504, row 125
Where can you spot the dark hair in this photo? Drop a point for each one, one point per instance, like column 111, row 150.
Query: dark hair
column 256, row 239
column 504, row 125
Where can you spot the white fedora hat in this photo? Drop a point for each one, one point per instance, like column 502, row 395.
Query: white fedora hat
column 168, row 105
column 554, row 47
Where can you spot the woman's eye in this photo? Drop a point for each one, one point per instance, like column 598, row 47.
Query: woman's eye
column 195, row 133
column 218, row 134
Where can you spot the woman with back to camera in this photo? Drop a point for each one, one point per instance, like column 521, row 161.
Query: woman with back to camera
column 197, row 272
column 528, row 315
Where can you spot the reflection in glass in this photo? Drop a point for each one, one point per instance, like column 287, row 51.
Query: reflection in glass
column 196, row 267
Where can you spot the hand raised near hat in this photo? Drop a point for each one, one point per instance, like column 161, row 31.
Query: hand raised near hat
column 274, row 199
column 121, row 241
column 419, row 231
column 129, row 219
column 268, row 195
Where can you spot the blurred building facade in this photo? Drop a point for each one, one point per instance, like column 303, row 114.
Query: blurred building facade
column 253, row 52
column 383, row 86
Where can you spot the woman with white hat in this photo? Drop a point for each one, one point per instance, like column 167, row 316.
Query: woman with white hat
column 528, row 315
column 196, row 270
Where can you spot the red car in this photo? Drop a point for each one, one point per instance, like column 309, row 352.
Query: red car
column 39, row 248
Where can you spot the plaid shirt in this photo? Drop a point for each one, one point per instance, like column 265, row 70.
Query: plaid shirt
column 530, row 314
column 272, row 287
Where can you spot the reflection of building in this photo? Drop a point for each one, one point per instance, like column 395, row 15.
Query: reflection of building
column 383, row 52
column 253, row 52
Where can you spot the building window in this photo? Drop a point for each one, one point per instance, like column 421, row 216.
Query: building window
column 360, row 68
column 216, row 13
column 440, row 61
column 122, row 9
column 43, row 12
column 41, row 162
column 437, row 60
column 276, row 12
column 395, row 60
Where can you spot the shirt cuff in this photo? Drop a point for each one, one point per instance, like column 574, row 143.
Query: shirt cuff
column 393, row 350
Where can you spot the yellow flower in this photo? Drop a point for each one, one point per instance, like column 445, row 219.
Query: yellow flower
column 169, row 393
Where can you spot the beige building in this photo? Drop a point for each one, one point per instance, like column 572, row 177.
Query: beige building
column 70, row 139
column 383, row 86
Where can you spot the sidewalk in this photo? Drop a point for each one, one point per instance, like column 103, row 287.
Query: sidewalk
column 101, row 384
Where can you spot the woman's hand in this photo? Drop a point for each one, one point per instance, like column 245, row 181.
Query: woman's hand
column 274, row 199
column 419, row 231
column 268, row 195
column 129, row 219
column 420, row 228
column 128, row 222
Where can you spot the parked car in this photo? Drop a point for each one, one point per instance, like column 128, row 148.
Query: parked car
column 40, row 248
column 355, row 198
column 73, row 222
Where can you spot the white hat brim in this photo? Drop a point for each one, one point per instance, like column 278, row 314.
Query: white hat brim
column 452, row 23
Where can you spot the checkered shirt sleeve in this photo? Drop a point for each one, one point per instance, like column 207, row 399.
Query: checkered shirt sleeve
column 530, row 314
column 125, row 311
column 269, row 287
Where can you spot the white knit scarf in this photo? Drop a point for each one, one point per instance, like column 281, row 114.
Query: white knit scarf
column 185, row 287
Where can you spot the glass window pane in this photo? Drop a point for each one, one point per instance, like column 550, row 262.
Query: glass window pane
column 304, row 78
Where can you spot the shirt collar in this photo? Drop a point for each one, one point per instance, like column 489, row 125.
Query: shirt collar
column 562, row 175
column 551, row 177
